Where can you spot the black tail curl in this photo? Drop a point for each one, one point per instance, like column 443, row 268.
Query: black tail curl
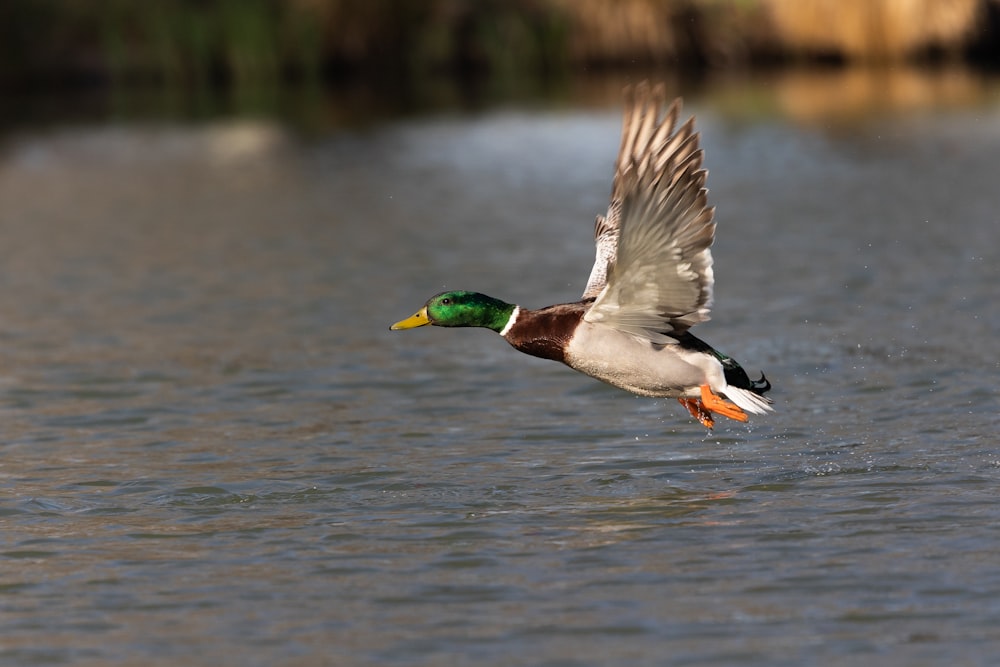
column 761, row 386
column 738, row 377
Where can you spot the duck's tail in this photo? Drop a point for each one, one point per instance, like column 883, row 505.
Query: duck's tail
column 747, row 393
column 751, row 399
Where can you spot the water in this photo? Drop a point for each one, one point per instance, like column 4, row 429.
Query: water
column 215, row 452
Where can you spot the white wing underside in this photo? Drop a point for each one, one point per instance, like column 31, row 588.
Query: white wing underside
column 653, row 271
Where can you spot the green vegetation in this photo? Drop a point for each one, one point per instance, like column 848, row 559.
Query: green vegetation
column 201, row 43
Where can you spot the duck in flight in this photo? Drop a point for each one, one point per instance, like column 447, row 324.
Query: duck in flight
column 651, row 282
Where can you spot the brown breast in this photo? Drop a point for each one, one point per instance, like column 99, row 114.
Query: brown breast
column 546, row 332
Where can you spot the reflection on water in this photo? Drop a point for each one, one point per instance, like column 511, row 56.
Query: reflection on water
column 857, row 94
column 214, row 450
column 854, row 96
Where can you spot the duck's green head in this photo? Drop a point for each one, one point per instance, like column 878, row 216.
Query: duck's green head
column 460, row 309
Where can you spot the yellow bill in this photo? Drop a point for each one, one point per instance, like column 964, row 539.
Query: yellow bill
column 417, row 319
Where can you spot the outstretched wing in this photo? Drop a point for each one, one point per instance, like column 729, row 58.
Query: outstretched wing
column 653, row 275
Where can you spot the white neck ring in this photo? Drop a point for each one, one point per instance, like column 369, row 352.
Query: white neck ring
column 510, row 323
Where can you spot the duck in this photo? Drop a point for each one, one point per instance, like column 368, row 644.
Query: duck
column 651, row 281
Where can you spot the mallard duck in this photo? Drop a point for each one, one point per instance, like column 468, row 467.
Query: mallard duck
column 651, row 281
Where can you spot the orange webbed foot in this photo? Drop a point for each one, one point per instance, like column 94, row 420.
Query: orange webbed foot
column 715, row 403
column 698, row 411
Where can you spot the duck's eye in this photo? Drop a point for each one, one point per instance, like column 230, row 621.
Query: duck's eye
column 445, row 302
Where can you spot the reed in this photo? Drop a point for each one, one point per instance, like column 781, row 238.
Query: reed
column 201, row 42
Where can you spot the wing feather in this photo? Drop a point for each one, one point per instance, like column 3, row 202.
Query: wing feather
column 642, row 127
column 653, row 271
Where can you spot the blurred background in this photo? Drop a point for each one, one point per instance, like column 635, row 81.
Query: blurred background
column 212, row 42
column 202, row 57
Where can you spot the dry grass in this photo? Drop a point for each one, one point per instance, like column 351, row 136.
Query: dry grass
column 872, row 29
column 619, row 31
